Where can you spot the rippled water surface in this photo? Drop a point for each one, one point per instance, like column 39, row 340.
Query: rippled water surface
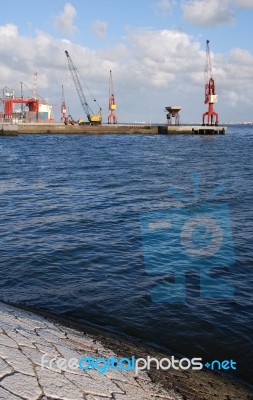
column 71, row 239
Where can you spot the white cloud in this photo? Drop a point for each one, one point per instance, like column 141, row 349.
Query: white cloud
column 64, row 22
column 212, row 13
column 163, row 56
column 8, row 31
column 99, row 28
column 232, row 97
column 201, row 12
column 242, row 3
column 164, row 7
column 238, row 71
column 150, row 69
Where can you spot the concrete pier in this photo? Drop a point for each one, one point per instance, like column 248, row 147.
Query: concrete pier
column 8, row 130
column 60, row 128
column 38, row 354
column 191, row 129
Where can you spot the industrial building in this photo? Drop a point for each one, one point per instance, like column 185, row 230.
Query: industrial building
column 21, row 109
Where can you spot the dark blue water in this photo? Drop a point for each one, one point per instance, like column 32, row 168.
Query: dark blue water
column 71, row 239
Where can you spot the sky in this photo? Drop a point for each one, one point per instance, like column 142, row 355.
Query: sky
column 156, row 50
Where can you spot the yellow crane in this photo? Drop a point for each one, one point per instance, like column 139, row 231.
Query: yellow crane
column 94, row 119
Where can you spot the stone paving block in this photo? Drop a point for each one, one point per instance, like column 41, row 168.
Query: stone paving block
column 135, row 392
column 7, row 341
column 49, row 337
column 28, row 334
column 92, row 397
column 131, row 378
column 4, row 368
column 17, row 360
column 47, row 398
column 47, row 348
column 102, row 386
column 87, row 342
column 68, row 330
column 20, row 339
column 115, row 376
column 34, row 355
column 8, row 322
column 43, row 342
column 5, row 395
column 22, row 385
column 30, row 320
column 128, row 397
column 50, row 364
column 51, row 331
column 22, row 376
column 58, row 386
column 25, row 319
column 80, row 337
column 17, row 312
column 171, row 395
column 68, row 352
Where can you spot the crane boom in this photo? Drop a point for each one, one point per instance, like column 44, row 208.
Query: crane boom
column 93, row 118
column 208, row 66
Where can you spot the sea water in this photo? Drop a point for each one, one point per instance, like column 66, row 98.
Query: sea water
column 72, row 239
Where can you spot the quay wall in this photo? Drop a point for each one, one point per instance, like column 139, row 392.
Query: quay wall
column 76, row 129
column 54, row 128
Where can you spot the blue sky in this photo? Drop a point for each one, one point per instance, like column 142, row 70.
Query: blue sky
column 155, row 48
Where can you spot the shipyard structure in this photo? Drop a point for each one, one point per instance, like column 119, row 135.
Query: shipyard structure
column 22, row 109
column 21, row 115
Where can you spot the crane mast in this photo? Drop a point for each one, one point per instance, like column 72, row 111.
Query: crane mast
column 210, row 91
column 63, row 105
column 112, row 104
column 92, row 118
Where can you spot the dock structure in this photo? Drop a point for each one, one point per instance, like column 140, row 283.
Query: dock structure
column 60, row 128
column 192, row 129
column 23, row 129
column 173, row 113
column 173, row 125
column 8, row 130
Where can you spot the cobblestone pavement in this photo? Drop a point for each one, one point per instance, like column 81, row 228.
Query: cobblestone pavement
column 24, row 339
column 35, row 349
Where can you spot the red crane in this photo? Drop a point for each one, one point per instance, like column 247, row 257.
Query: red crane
column 112, row 104
column 210, row 91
